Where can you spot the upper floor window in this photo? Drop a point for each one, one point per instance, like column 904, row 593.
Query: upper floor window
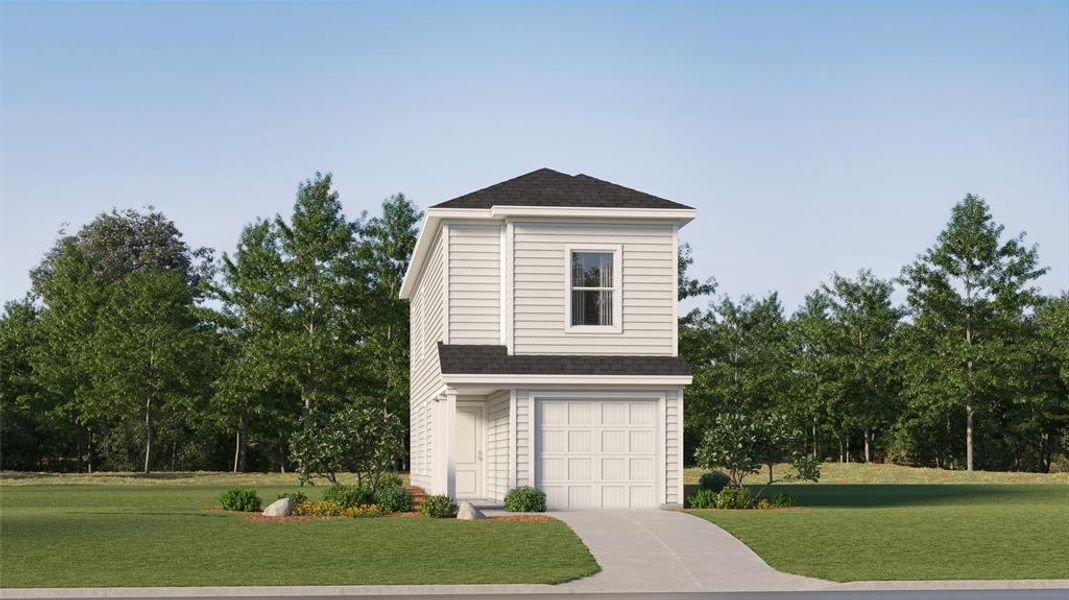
column 593, row 289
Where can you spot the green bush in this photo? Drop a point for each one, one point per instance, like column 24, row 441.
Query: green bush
column 713, row 481
column 240, row 499
column 781, row 501
column 394, row 498
column 438, row 507
column 297, row 497
column 702, row 499
column 733, row 498
column 391, row 479
column 348, row 496
column 525, row 499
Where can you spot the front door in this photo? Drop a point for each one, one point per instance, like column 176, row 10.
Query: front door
column 469, row 452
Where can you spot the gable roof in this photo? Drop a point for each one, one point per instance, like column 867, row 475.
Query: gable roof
column 458, row 359
column 546, row 187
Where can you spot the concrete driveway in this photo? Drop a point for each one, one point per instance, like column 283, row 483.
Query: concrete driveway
column 668, row 551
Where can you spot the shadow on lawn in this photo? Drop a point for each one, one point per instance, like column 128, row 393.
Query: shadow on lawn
column 897, row 495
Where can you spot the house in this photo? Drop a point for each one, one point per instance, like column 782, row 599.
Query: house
column 544, row 344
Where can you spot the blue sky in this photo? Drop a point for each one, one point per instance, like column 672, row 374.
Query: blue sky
column 813, row 137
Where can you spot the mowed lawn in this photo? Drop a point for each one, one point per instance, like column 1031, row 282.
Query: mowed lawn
column 852, row 532
column 156, row 534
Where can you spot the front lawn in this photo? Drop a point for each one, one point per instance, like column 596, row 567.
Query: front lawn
column 880, row 532
column 132, row 534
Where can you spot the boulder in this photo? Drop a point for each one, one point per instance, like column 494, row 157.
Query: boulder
column 468, row 512
column 283, row 507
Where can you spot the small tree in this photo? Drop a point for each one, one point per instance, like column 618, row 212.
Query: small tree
column 361, row 439
column 741, row 445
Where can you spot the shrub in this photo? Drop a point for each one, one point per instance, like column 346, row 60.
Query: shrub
column 240, row 499
column 297, row 497
column 713, row 481
column 391, row 479
column 702, row 499
column 781, row 501
column 525, row 499
column 438, row 507
column 333, row 509
column 348, row 496
column 394, row 498
column 733, row 498
column 763, row 504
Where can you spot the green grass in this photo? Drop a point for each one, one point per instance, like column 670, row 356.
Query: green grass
column 918, row 531
column 859, row 473
column 151, row 533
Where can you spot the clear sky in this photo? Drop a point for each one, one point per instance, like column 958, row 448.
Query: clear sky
column 811, row 136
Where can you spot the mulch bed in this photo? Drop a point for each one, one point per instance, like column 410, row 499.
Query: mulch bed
column 259, row 518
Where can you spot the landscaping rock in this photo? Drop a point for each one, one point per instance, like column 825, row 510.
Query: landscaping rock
column 283, row 507
column 468, row 512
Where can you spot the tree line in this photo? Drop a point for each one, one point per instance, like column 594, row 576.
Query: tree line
column 971, row 371
column 134, row 351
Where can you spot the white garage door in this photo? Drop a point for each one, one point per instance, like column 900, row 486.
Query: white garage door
column 597, row 453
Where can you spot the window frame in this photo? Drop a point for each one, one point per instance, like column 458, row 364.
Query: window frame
column 617, row 288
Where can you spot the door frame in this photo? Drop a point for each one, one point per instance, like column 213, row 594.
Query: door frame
column 658, row 396
column 480, row 444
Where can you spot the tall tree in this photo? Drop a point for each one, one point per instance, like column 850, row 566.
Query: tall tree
column 383, row 252
column 323, row 285
column 965, row 293
column 147, row 351
column 865, row 321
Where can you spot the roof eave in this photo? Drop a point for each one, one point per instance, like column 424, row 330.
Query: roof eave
column 507, row 379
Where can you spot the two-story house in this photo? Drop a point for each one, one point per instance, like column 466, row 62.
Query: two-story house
column 544, row 344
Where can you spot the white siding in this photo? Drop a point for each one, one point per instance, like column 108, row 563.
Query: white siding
column 497, row 446
column 673, row 448
column 425, row 379
column 524, row 473
column 648, row 295
column 474, row 283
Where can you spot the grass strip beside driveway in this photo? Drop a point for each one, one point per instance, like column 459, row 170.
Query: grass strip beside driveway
column 884, row 532
column 127, row 536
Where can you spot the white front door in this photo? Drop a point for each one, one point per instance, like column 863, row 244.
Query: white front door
column 469, row 453
column 597, row 453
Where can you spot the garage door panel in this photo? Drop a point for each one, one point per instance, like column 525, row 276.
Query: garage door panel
column 614, row 440
column 579, row 440
column 642, row 496
column 579, row 469
column 579, row 413
column 579, row 496
column 614, row 496
column 641, row 469
column 554, row 469
column 597, row 453
column 613, row 413
column 641, row 441
column 642, row 414
column 614, row 469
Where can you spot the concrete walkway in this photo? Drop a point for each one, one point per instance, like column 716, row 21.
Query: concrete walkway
column 668, row 551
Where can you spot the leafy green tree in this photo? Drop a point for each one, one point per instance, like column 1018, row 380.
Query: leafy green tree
column 356, row 438
column 322, row 285
column 61, row 357
column 383, row 253
column 966, row 294
column 819, row 385
column 865, row 323
column 739, row 355
column 148, row 348
column 24, row 435
column 741, row 444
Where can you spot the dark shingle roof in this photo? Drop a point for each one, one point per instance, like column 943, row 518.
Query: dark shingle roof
column 546, row 187
column 495, row 360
